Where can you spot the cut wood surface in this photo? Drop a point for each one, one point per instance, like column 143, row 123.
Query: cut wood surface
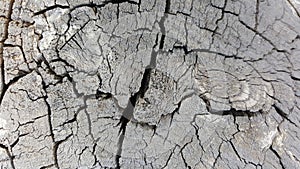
column 193, row 84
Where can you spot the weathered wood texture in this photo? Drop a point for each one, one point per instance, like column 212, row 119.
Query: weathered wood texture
column 149, row 84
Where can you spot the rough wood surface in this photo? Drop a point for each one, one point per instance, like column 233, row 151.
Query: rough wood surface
column 149, row 84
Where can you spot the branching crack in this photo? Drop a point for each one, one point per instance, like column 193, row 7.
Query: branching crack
column 11, row 157
column 11, row 82
column 3, row 86
column 284, row 115
column 128, row 112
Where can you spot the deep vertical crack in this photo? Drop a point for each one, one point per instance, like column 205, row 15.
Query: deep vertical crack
column 51, row 130
column 3, row 39
column 256, row 14
column 182, row 154
column 9, row 154
column 49, row 115
column 2, row 74
column 168, row 6
column 128, row 112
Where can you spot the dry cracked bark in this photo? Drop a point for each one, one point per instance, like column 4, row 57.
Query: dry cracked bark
column 149, row 84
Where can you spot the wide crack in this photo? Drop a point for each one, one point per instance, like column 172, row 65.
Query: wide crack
column 128, row 112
